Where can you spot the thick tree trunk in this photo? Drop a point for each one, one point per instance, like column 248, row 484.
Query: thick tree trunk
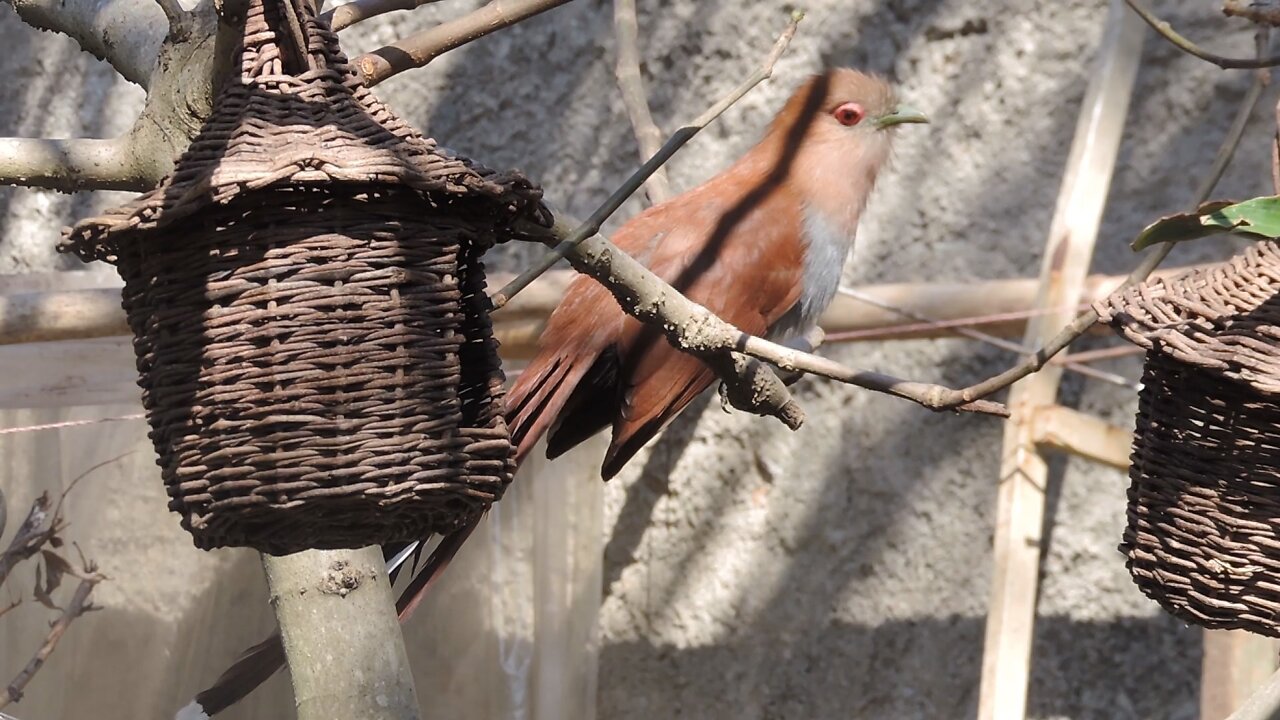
column 341, row 635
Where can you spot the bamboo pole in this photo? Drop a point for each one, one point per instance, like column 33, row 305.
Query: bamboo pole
column 1054, row 427
column 998, row 307
column 1236, row 665
column 1023, row 471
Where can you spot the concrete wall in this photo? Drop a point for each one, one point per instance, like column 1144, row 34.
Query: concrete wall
column 843, row 570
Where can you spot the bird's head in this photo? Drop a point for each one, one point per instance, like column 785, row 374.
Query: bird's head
column 839, row 124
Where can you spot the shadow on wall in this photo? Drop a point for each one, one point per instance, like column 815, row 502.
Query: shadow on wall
column 925, row 669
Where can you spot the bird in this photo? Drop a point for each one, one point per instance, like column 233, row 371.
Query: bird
column 762, row 245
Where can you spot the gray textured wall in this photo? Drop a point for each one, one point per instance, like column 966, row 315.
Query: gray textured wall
column 843, row 570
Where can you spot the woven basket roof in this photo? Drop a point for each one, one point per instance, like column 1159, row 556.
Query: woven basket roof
column 302, row 118
column 1224, row 318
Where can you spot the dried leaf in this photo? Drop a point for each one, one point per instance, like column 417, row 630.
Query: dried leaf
column 56, row 566
column 42, row 595
column 1259, row 217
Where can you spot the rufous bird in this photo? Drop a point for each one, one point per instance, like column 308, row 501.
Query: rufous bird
column 762, row 245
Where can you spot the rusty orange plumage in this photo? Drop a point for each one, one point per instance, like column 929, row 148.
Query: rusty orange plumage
column 761, row 245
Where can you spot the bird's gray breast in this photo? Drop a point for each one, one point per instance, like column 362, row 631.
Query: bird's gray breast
column 826, row 245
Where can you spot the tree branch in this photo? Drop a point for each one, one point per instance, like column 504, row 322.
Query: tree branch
column 1263, row 13
column 31, row 536
column 344, row 16
column 173, row 11
column 339, row 601
column 633, row 183
column 79, row 605
column 634, row 97
column 1167, row 32
column 76, row 164
column 420, row 49
column 694, row 329
column 125, row 33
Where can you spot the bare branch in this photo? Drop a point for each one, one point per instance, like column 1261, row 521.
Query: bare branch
column 173, row 12
column 631, row 83
column 77, row 164
column 34, row 532
column 1149, row 263
column 1261, row 12
column 1167, row 32
column 125, row 33
column 420, row 49
column 78, row 606
column 990, row 339
column 344, row 16
column 633, row 183
column 9, row 607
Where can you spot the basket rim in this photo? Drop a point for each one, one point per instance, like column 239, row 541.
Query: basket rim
column 1205, row 317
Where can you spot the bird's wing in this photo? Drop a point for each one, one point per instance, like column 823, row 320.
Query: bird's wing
column 744, row 266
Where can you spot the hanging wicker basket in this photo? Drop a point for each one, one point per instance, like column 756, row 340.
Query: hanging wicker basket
column 308, row 304
column 1203, row 535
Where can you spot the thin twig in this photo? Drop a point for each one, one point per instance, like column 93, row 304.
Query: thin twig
column 1167, row 32
column 592, row 225
column 173, row 12
column 78, row 606
column 419, row 49
column 989, row 339
column 10, row 606
column 892, row 332
column 1263, row 12
column 344, row 16
column 32, row 534
column 1089, row 356
column 631, row 83
column 41, row 525
column 1148, row 265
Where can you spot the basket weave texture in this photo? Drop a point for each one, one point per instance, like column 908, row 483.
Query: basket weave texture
column 1203, row 534
column 308, row 304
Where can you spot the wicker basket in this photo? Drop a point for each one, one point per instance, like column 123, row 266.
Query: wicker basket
column 1203, row 535
column 309, row 309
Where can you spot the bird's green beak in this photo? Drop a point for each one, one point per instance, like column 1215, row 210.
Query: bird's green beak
column 903, row 114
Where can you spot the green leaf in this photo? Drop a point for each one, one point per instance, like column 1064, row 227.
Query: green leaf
column 1259, row 217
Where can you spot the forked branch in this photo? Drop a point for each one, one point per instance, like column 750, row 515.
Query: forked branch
column 344, row 16
column 420, row 49
column 125, row 33
column 1167, row 32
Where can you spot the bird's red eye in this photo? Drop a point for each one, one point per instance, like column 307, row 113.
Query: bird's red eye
column 848, row 114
